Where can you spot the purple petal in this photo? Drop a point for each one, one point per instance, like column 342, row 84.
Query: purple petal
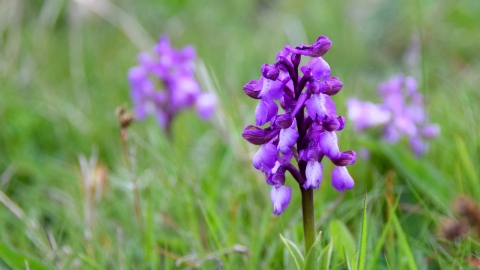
column 406, row 125
column 341, row 180
column 328, row 143
column 311, row 153
column 250, row 89
column 321, row 46
column 140, row 112
column 163, row 45
column 419, row 146
column 316, row 106
column 366, row 114
column 288, row 137
column 393, row 85
column 331, row 123
column 284, row 120
column 313, row 172
column 391, row 134
column 270, row 71
column 146, row 60
column 206, row 105
column 416, row 112
column 265, row 157
column 320, row 68
column 332, row 86
column 330, row 107
column 188, row 53
column 345, row 158
column 137, row 75
column 431, row 130
column 280, row 198
column 161, row 117
column 271, row 89
column 282, row 54
column 342, row 121
column 411, row 84
column 394, row 102
column 265, row 110
column 184, row 90
column 255, row 135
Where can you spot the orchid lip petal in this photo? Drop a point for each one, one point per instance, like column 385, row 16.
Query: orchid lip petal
column 328, row 143
column 266, row 109
column 265, row 157
column 280, row 197
column 288, row 137
column 313, row 173
column 316, row 106
column 341, row 179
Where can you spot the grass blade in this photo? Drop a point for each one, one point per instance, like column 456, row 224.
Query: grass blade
column 363, row 238
column 403, row 243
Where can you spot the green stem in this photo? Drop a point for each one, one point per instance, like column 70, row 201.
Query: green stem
column 308, row 218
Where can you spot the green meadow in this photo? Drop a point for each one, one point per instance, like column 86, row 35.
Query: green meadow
column 73, row 195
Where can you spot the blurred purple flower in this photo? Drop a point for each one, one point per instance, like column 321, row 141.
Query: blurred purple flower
column 305, row 129
column 401, row 113
column 164, row 83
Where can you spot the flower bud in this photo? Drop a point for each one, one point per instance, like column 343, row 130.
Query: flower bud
column 284, row 120
column 295, row 58
column 313, row 87
column 255, row 135
column 250, row 90
column 345, row 158
column 270, row 72
column 332, row 86
column 311, row 153
column 331, row 123
column 306, row 71
column 321, row 46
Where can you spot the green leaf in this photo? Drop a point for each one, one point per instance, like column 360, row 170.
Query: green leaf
column 17, row 260
column 343, row 239
column 363, row 238
column 313, row 256
column 326, row 256
column 294, row 251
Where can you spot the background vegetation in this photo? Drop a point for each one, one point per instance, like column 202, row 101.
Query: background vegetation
column 63, row 68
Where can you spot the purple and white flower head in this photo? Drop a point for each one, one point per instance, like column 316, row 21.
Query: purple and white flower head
column 163, row 83
column 402, row 113
column 297, row 118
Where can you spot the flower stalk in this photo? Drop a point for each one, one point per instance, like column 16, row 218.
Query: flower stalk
column 308, row 218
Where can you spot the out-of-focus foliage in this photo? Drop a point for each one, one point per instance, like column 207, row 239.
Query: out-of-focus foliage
column 63, row 67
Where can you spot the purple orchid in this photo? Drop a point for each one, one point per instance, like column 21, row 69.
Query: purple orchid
column 164, row 84
column 402, row 113
column 306, row 128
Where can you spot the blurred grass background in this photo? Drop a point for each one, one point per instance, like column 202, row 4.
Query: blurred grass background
column 63, row 68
